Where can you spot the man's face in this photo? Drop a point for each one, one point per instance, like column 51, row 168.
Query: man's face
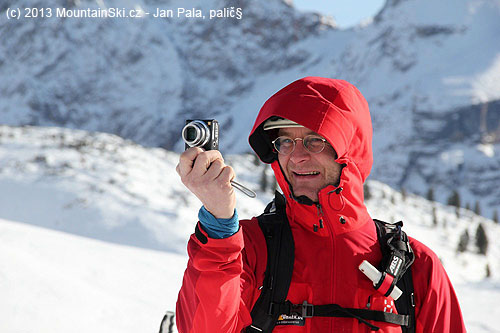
column 308, row 172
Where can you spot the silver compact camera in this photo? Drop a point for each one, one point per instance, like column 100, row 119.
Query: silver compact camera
column 201, row 133
column 204, row 133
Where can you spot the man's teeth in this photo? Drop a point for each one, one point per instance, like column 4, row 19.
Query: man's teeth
column 307, row 173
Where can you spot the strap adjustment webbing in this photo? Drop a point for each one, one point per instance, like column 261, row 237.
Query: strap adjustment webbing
column 307, row 310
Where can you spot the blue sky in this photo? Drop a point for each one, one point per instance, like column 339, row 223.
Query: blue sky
column 345, row 12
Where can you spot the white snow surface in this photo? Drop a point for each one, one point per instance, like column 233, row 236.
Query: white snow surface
column 58, row 282
column 93, row 231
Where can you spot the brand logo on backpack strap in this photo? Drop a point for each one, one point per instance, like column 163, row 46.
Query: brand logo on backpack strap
column 293, row 319
column 395, row 265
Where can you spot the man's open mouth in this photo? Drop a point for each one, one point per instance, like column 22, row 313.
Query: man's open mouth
column 305, row 174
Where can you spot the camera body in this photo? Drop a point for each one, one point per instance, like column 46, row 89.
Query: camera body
column 203, row 133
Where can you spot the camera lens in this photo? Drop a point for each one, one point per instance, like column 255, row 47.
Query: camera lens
column 190, row 134
column 196, row 133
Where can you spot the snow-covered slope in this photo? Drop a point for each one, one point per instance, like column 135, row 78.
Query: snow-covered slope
column 103, row 187
column 97, row 185
column 94, row 185
column 53, row 282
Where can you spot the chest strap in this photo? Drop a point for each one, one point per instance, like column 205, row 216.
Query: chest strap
column 306, row 310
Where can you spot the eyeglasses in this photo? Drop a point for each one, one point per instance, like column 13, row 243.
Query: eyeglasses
column 312, row 143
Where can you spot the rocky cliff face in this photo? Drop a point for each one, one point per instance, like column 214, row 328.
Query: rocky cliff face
column 430, row 72
column 437, row 94
column 139, row 77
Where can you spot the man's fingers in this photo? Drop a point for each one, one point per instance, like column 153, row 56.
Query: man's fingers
column 227, row 174
column 203, row 162
column 206, row 175
column 220, row 173
column 215, row 169
column 186, row 160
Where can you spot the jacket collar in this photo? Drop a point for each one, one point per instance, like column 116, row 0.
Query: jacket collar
column 340, row 208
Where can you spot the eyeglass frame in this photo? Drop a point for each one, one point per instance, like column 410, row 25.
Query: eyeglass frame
column 325, row 142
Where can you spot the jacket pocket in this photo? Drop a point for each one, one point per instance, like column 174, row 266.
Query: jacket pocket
column 378, row 302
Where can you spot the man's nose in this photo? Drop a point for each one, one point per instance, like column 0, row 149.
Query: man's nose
column 300, row 153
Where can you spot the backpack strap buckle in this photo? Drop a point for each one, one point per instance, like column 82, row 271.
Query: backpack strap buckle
column 305, row 310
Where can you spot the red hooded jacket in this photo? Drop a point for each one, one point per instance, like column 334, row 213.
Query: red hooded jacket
column 222, row 280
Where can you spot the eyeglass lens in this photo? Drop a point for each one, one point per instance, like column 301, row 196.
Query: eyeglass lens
column 286, row 145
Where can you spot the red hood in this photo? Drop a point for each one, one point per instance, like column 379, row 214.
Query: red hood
column 336, row 110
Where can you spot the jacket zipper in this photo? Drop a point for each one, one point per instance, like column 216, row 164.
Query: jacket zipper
column 320, row 216
column 322, row 219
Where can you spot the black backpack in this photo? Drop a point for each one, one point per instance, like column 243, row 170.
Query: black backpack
column 272, row 302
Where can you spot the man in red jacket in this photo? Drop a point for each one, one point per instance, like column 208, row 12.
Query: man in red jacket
column 316, row 133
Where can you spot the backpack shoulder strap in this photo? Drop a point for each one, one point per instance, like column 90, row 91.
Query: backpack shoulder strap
column 405, row 304
column 280, row 259
column 397, row 258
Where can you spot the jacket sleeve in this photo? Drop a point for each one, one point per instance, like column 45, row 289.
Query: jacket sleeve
column 437, row 307
column 215, row 287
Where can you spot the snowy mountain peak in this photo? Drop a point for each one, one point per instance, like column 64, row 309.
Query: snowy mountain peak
column 428, row 69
